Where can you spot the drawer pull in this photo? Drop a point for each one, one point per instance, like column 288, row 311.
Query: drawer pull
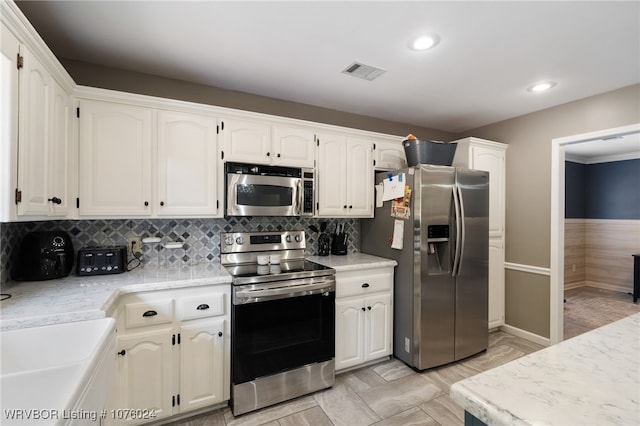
column 122, row 352
column 219, row 333
column 203, row 307
column 365, row 285
column 150, row 314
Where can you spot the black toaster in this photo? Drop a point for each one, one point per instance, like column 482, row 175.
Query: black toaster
column 102, row 260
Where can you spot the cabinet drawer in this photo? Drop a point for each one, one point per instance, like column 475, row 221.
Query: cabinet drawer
column 207, row 305
column 357, row 284
column 148, row 313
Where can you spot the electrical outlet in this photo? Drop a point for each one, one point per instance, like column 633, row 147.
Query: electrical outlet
column 134, row 245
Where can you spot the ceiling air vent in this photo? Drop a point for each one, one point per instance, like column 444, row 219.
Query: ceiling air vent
column 366, row 72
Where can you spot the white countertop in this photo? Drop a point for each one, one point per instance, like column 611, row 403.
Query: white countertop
column 591, row 379
column 77, row 298
column 354, row 261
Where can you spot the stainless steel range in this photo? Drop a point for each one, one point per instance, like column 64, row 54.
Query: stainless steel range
column 282, row 319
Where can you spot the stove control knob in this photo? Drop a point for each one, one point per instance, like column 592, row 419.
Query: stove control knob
column 228, row 241
column 298, row 238
column 288, row 238
column 240, row 241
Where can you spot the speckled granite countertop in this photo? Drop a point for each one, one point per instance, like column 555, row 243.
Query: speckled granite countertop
column 591, row 379
column 77, row 298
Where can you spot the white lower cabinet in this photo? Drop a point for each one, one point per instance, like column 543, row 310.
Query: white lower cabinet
column 172, row 354
column 364, row 316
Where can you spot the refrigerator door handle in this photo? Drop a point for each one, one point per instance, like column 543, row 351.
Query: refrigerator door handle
column 461, row 218
column 458, row 219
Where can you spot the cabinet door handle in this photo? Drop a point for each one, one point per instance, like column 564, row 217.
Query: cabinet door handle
column 146, row 203
column 369, row 307
column 268, row 154
column 55, row 200
column 161, row 203
column 278, row 155
column 203, row 307
column 219, row 333
column 363, row 309
column 350, row 207
column 122, row 352
column 365, row 285
column 150, row 314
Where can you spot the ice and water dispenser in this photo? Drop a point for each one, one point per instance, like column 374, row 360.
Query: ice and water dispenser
column 438, row 250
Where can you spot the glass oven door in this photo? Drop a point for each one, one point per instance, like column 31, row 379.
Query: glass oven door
column 278, row 335
column 252, row 195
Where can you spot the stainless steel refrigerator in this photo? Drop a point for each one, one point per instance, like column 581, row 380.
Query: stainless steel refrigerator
column 441, row 281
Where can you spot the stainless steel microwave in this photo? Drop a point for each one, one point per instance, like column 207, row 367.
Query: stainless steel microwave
column 260, row 190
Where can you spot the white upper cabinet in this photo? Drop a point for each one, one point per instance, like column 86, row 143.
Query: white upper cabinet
column 127, row 169
column 246, row 141
column 36, row 136
column 345, row 176
column 9, row 89
column 186, row 173
column 480, row 154
column 263, row 143
column 389, row 155
column 293, row 146
column 61, row 144
column 115, row 159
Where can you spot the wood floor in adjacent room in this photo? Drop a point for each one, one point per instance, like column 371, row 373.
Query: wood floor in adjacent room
column 390, row 393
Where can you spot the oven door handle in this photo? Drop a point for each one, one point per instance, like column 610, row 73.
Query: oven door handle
column 249, row 296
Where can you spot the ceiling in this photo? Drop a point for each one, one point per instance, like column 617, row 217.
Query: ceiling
column 488, row 52
column 624, row 147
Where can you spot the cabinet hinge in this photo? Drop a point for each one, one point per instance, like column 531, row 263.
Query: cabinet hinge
column 217, row 129
column 374, row 162
column 178, row 399
column 374, row 146
column 173, row 401
column 222, row 125
column 317, row 206
column 78, row 203
column 222, row 155
column 173, row 339
column 318, row 142
column 78, row 112
column 18, row 196
column 178, row 343
column 217, row 204
column 20, row 61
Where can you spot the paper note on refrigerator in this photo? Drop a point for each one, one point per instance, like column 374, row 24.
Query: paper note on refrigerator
column 398, row 234
column 393, row 187
column 379, row 195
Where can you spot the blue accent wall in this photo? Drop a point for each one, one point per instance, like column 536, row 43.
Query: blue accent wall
column 574, row 193
column 607, row 191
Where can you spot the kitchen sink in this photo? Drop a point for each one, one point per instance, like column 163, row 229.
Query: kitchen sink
column 57, row 374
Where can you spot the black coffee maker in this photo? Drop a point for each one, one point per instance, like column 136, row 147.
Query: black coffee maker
column 45, row 255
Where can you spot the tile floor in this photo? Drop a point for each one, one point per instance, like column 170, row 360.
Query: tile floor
column 388, row 393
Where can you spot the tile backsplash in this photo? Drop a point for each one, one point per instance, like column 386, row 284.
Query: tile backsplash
column 201, row 237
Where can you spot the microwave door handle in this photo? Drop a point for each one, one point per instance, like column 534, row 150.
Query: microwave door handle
column 298, row 199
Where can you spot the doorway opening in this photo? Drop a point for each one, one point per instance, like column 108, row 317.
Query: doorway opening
column 558, row 151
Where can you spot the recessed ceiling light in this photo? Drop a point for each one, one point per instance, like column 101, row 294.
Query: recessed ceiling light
column 541, row 87
column 424, row 42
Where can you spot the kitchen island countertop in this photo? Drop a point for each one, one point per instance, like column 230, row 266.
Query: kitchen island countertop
column 591, row 379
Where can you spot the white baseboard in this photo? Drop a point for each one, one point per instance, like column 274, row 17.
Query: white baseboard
column 527, row 335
